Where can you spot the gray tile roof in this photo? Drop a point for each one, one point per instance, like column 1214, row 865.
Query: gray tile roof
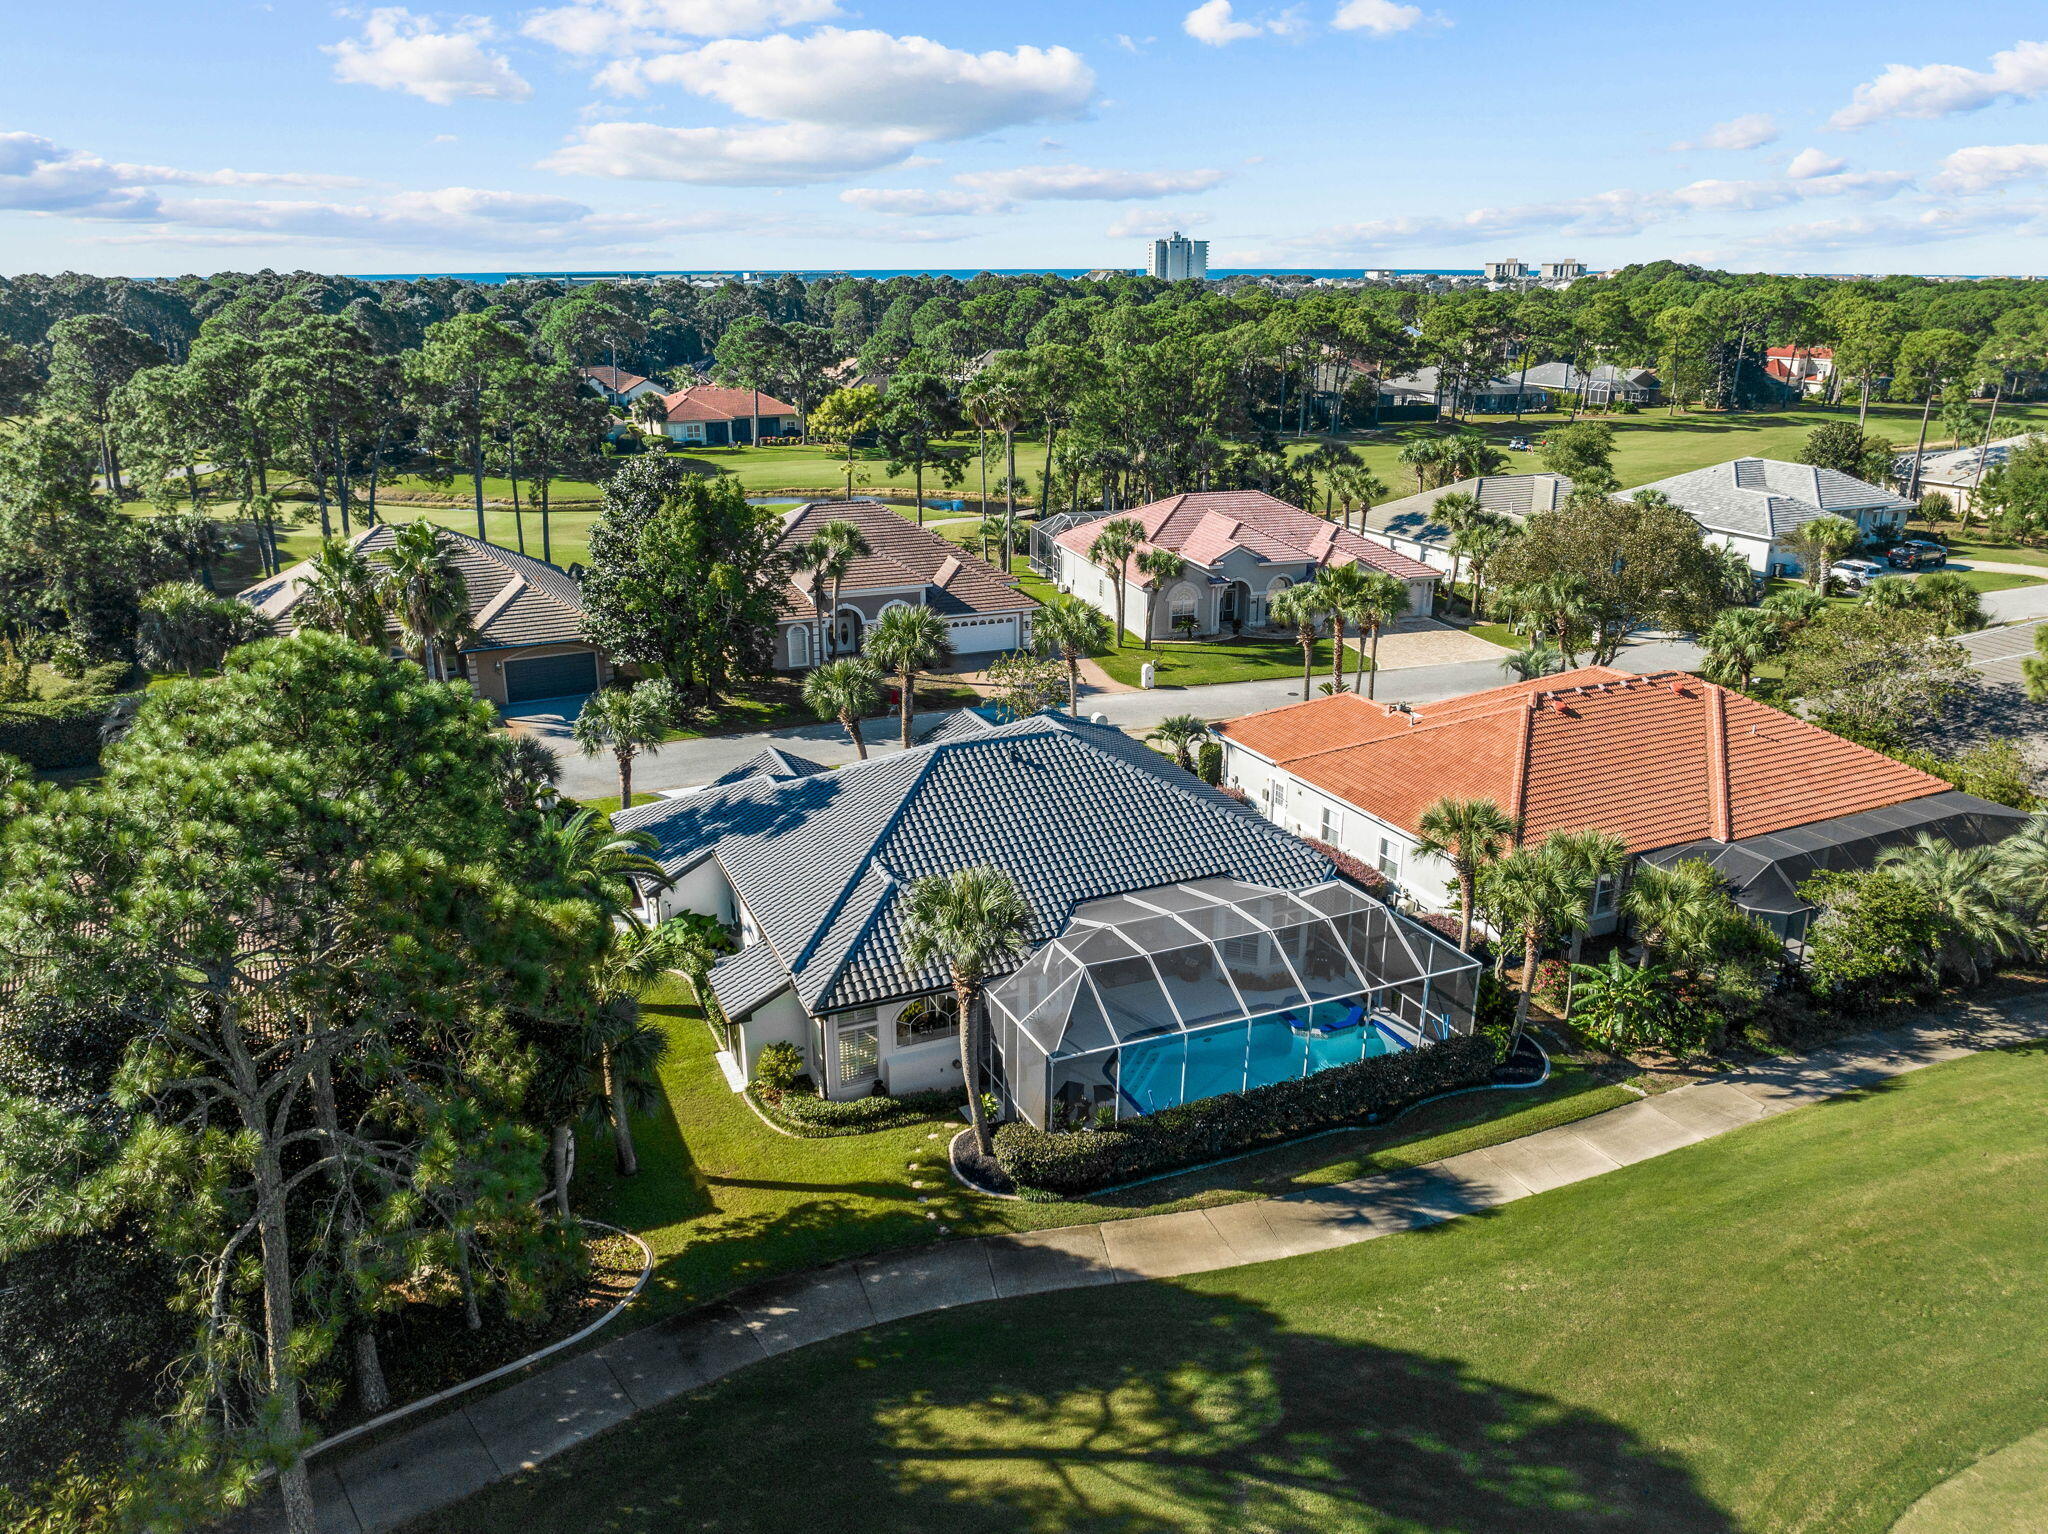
column 1562, row 375
column 514, row 599
column 1074, row 811
column 961, row 724
column 902, row 555
column 1511, row 495
column 742, row 981
column 1768, row 497
column 770, row 763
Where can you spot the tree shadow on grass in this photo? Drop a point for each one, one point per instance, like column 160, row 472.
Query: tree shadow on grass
column 1142, row 1410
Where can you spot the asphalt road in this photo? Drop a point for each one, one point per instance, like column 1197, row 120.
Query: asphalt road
column 690, row 763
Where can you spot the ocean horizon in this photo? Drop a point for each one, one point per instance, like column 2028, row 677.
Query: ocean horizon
column 964, row 273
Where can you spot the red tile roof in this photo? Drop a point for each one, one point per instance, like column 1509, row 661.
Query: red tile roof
column 709, row 402
column 1203, row 526
column 1658, row 760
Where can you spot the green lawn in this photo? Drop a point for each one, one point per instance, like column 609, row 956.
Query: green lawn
column 1802, row 1325
column 726, row 1201
column 1984, row 546
column 1200, row 662
column 606, row 804
column 777, row 703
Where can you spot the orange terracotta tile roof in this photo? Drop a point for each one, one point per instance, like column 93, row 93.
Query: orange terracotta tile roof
column 1658, row 760
column 709, row 402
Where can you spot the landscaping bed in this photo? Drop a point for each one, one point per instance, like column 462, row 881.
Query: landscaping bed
column 802, row 1111
column 435, row 1351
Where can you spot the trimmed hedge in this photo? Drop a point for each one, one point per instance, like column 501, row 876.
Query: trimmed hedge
column 1082, row 1161
column 65, row 733
column 818, row 1118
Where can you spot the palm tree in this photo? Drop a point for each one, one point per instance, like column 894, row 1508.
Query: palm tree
column 829, row 554
column 1672, row 908
column 1738, row 641
column 1557, row 605
column 341, row 593
column 1973, row 890
column 847, row 690
column 1382, row 599
column 427, row 592
column 1469, row 834
column 1425, row 454
column 610, row 869
column 1454, row 512
column 626, row 721
column 907, row 640
column 531, row 770
column 974, row 922
column 651, row 411
column 2023, row 860
column 1818, row 544
column 1180, row 733
column 1068, row 627
column 1539, row 657
column 1112, row 549
column 1949, row 595
column 1345, row 588
column 1158, row 566
column 1599, row 855
column 1536, row 895
column 995, row 401
column 1480, row 542
column 1301, row 608
column 1356, row 485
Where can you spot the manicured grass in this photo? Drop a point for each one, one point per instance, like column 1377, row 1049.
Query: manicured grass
column 1803, row 1324
column 726, row 1201
column 607, row 804
column 1997, row 580
column 1497, row 633
column 777, row 703
column 1202, row 662
column 1987, row 548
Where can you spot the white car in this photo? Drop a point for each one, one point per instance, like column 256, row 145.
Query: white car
column 1855, row 574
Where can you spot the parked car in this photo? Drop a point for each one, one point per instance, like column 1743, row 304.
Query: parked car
column 1855, row 574
column 1917, row 554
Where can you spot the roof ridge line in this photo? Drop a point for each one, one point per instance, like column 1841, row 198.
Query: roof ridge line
column 846, row 890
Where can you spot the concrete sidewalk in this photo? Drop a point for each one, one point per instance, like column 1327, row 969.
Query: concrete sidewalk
column 450, row 1457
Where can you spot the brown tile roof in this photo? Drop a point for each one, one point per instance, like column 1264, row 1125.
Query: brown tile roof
column 1658, row 760
column 904, row 554
column 513, row 599
column 617, row 380
column 1203, row 526
column 709, row 402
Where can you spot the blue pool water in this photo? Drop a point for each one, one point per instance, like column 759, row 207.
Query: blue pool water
column 1236, row 1056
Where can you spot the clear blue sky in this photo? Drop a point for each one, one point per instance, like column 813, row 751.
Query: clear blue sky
column 1823, row 136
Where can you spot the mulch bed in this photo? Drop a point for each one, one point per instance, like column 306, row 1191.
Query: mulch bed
column 438, row 1350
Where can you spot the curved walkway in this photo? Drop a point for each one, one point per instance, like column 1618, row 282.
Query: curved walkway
column 443, row 1461
column 2003, row 1493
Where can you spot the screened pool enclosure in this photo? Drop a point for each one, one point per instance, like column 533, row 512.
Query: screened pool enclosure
column 1166, row 995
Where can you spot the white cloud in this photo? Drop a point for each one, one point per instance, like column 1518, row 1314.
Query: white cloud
column 1151, row 224
column 1382, row 18
column 999, row 191
column 399, row 51
column 1936, row 90
column 164, row 175
column 913, row 202
column 1213, row 22
column 38, row 176
column 870, row 80
column 1081, row 183
column 1811, row 162
column 781, row 154
column 625, row 26
column 1752, row 130
column 1983, row 167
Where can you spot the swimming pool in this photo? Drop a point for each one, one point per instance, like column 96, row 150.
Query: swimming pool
column 1231, row 1057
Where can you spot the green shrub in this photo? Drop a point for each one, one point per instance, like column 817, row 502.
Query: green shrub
column 816, row 1118
column 65, row 733
column 1209, row 762
column 778, row 1067
column 1081, row 1162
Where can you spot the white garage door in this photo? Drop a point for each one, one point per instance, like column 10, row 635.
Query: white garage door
column 979, row 636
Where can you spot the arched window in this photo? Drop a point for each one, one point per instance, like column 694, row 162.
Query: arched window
column 1180, row 609
column 1274, row 587
column 799, row 646
column 927, row 1018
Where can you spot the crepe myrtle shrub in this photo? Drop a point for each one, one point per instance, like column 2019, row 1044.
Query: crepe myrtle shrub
column 1362, row 874
column 1076, row 1162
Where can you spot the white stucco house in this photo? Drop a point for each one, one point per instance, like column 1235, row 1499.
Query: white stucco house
column 1240, row 548
column 1751, row 504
